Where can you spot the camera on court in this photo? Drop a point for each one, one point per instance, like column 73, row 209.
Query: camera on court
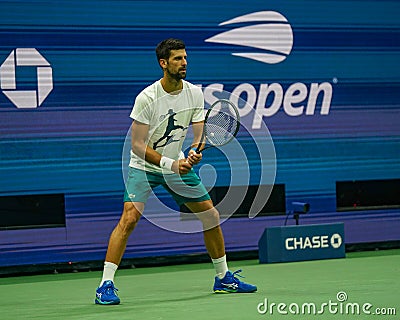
column 301, row 207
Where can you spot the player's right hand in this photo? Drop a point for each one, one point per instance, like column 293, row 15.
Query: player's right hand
column 181, row 167
column 194, row 157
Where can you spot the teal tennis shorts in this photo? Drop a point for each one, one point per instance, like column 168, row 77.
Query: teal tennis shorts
column 183, row 188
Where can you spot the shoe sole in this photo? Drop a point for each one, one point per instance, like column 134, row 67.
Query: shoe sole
column 228, row 291
column 106, row 303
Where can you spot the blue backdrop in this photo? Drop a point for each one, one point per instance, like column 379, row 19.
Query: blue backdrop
column 330, row 67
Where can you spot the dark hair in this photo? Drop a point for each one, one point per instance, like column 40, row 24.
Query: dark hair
column 163, row 49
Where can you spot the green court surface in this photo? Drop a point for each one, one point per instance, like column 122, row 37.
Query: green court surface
column 370, row 280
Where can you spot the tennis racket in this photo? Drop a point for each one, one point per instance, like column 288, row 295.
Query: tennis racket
column 221, row 125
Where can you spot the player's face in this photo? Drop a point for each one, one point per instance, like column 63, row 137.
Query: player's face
column 176, row 64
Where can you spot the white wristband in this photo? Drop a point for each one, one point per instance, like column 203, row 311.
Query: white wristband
column 166, row 163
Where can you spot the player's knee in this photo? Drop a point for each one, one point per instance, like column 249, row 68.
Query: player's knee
column 209, row 218
column 130, row 217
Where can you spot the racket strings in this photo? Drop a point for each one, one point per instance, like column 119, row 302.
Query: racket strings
column 221, row 125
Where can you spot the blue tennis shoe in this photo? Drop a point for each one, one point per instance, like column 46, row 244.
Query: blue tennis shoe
column 231, row 284
column 107, row 294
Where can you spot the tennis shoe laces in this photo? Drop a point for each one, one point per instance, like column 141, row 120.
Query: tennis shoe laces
column 231, row 284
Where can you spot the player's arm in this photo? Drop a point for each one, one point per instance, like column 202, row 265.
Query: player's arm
column 140, row 133
column 194, row 157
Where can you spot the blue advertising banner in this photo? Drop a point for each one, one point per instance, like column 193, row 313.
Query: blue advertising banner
column 299, row 243
column 321, row 76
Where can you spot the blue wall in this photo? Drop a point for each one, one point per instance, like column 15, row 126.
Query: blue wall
column 102, row 54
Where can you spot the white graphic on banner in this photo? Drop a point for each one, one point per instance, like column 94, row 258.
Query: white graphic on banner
column 271, row 33
column 26, row 57
column 336, row 240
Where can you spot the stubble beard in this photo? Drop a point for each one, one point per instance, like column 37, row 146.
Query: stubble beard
column 176, row 76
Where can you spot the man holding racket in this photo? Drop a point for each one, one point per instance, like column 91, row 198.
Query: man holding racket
column 161, row 116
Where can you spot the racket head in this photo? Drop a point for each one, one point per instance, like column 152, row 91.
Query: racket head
column 221, row 124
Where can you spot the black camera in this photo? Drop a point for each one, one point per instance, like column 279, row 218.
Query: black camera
column 301, row 207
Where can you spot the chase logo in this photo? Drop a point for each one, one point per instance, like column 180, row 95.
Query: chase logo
column 269, row 36
column 26, row 57
column 314, row 242
column 336, row 240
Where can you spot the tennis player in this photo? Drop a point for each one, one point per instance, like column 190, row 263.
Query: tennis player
column 161, row 116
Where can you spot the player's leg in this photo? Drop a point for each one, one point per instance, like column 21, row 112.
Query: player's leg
column 119, row 237
column 212, row 233
column 188, row 189
column 225, row 281
column 138, row 188
column 106, row 292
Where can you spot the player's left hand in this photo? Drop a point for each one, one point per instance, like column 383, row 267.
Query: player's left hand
column 194, row 157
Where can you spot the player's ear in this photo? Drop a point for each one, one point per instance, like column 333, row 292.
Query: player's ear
column 163, row 63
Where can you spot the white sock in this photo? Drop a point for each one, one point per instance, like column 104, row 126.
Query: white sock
column 108, row 272
column 220, row 265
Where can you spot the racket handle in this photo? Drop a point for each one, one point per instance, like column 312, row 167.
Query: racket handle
column 197, row 150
